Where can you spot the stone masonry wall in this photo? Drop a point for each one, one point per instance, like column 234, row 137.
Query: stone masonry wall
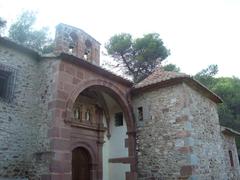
column 180, row 136
column 16, row 117
column 209, row 146
column 23, row 121
column 233, row 172
column 42, row 153
column 162, row 137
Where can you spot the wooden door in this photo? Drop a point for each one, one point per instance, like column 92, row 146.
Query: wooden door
column 81, row 164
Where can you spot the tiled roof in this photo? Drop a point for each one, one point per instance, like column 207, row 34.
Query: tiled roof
column 160, row 78
column 159, row 75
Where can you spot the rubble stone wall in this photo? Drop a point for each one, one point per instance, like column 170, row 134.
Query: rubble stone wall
column 162, row 137
column 24, row 149
column 229, row 144
column 180, row 136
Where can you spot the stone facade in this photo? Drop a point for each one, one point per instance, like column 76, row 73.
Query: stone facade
column 170, row 130
column 23, row 126
column 229, row 144
column 180, row 136
column 162, row 137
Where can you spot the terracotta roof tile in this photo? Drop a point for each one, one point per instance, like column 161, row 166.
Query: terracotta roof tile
column 159, row 75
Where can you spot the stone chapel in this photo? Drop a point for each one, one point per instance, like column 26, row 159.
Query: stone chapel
column 63, row 117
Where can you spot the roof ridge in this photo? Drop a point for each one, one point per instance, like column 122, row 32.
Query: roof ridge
column 159, row 75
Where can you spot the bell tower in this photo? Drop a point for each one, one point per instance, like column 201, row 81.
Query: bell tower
column 74, row 41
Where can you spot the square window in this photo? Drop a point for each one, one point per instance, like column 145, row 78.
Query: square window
column 119, row 119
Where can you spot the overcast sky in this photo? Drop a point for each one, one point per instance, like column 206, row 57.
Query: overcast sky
column 198, row 32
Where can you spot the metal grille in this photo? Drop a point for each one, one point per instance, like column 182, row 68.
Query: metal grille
column 7, row 75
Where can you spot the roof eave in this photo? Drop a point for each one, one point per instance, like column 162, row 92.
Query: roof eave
column 229, row 131
column 162, row 84
column 11, row 44
column 203, row 89
column 188, row 80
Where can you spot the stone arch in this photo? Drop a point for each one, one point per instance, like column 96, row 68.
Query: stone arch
column 107, row 86
column 85, row 145
column 82, row 163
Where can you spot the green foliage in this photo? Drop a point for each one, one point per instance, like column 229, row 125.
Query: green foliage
column 171, row 67
column 138, row 57
column 23, row 33
column 228, row 88
column 206, row 76
column 2, row 25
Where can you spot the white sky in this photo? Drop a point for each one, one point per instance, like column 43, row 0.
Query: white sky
column 198, row 32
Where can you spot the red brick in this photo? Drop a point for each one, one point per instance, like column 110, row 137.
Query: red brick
column 68, row 87
column 65, row 133
column 56, row 104
column 187, row 170
column 60, row 166
column 61, row 67
column 69, row 69
column 62, row 156
column 185, row 149
column 60, row 144
column 53, row 132
column 181, row 134
column 182, row 118
column 76, row 80
column 80, row 74
column 62, row 95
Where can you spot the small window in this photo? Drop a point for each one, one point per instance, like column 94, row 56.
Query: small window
column 231, row 158
column 6, row 82
column 119, row 119
column 140, row 113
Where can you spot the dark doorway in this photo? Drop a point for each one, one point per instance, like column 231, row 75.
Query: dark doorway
column 81, row 164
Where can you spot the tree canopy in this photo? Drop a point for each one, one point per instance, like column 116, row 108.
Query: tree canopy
column 228, row 89
column 2, row 24
column 171, row 67
column 22, row 32
column 139, row 56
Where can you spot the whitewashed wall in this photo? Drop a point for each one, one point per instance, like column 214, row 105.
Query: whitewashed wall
column 115, row 146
